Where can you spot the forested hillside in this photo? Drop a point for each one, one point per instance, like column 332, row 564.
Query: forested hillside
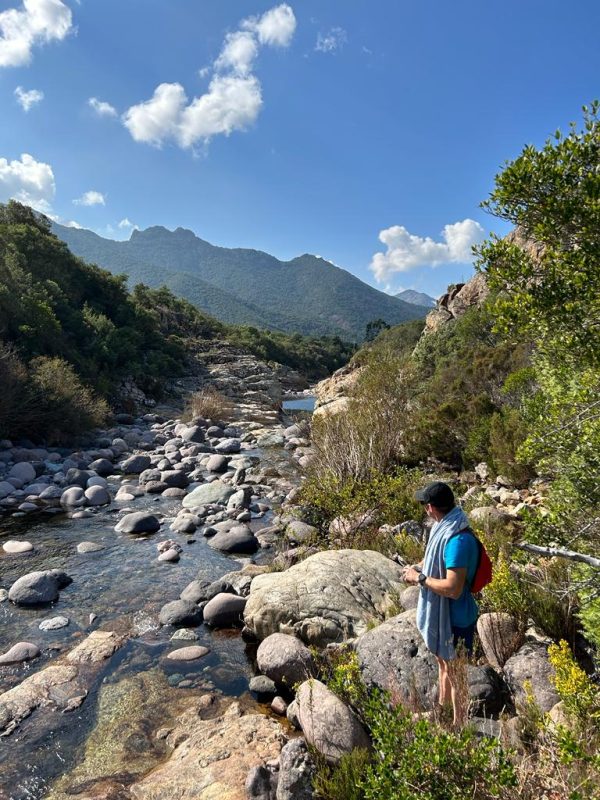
column 307, row 295
column 70, row 332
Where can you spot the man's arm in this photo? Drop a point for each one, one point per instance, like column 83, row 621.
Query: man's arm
column 451, row 586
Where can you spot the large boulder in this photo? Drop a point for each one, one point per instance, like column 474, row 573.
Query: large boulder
column 227, row 446
column 180, row 612
column 285, row 659
column 329, row 597
column 175, row 479
column 97, row 496
column 6, row 488
column 239, row 539
column 224, row 611
column 35, row 588
column 216, row 492
column 24, row 471
column 102, row 466
column 394, row 658
column 328, row 724
column 500, row 637
column 134, row 465
column 138, row 522
column 74, row 496
column 530, row 666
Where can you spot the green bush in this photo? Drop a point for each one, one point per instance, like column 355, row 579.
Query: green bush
column 413, row 757
column 380, row 499
column 66, row 407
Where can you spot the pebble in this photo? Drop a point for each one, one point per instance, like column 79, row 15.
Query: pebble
column 93, row 617
column 279, row 706
column 3, row 595
column 53, row 624
column 190, row 653
column 14, row 547
column 186, row 634
column 89, row 547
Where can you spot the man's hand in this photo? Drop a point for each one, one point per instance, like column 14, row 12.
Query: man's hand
column 411, row 576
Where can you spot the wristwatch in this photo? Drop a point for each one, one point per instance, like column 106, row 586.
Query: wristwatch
column 422, row 578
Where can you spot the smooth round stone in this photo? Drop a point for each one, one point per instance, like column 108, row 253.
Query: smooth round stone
column 190, row 653
column 22, row 651
column 89, row 547
column 28, row 507
column 15, row 547
column 53, row 624
column 3, row 595
column 138, row 522
column 24, row 471
column 169, row 555
column 279, row 706
column 85, row 514
column 97, row 496
column 262, row 685
column 184, row 634
column 73, row 496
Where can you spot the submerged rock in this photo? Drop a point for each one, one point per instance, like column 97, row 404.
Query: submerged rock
column 138, row 522
column 22, row 651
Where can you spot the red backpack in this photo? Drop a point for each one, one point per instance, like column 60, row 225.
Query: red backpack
column 483, row 573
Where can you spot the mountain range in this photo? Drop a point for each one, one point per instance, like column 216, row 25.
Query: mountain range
column 307, row 295
column 417, row 298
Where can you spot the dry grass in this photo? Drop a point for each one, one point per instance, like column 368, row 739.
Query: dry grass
column 209, row 404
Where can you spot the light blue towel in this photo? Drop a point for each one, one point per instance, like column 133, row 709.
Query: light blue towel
column 433, row 611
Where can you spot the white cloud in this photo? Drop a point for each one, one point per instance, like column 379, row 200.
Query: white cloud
column 231, row 103
column 159, row 118
column 331, row 41
column 405, row 251
column 233, row 99
column 125, row 224
column 29, row 181
column 238, row 53
column 102, row 108
column 91, row 198
column 27, row 99
column 36, row 22
column 276, row 27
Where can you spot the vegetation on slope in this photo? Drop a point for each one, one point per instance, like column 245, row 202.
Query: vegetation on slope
column 515, row 383
column 70, row 332
column 307, row 295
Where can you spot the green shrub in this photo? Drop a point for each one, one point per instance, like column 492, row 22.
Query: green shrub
column 413, row 757
column 66, row 407
column 344, row 780
column 379, row 499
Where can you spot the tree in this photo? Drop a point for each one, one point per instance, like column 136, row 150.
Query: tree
column 374, row 328
column 547, row 278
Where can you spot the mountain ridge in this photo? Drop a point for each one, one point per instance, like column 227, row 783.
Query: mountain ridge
column 306, row 294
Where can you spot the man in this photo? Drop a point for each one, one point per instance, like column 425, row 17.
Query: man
column 447, row 611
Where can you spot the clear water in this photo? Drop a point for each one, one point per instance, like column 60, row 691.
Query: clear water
column 125, row 586
column 304, row 404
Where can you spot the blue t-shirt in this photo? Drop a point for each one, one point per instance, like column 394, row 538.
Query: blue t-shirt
column 462, row 551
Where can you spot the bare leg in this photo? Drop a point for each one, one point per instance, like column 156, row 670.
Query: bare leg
column 445, row 690
column 457, row 676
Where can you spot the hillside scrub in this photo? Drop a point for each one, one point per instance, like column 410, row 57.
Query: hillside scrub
column 547, row 281
column 94, row 334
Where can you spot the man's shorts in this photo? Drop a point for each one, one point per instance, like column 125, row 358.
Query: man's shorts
column 464, row 635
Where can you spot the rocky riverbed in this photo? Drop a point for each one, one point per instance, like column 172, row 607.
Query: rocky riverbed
column 118, row 551
column 159, row 602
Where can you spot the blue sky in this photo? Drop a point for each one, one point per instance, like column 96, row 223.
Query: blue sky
column 365, row 132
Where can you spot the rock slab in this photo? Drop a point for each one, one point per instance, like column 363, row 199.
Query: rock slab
column 329, row 597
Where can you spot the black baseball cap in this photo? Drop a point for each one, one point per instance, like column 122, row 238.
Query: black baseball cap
column 438, row 494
